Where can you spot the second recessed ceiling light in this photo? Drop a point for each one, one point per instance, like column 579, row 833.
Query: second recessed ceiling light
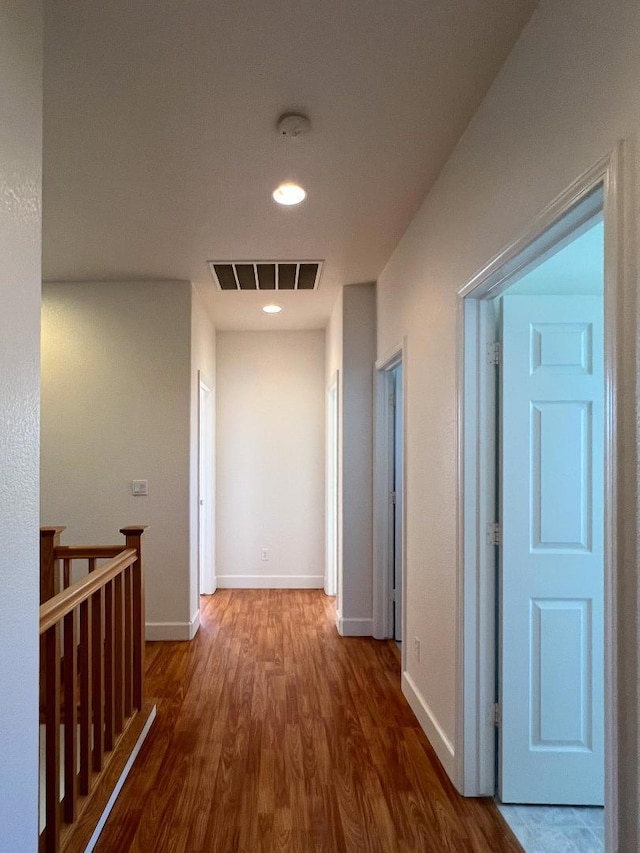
column 289, row 194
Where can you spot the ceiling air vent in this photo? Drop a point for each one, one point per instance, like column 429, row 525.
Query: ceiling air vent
column 266, row 275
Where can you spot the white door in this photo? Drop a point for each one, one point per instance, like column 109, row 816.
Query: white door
column 398, row 508
column 205, row 490
column 551, row 557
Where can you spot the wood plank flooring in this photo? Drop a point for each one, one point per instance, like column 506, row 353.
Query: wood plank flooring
column 275, row 734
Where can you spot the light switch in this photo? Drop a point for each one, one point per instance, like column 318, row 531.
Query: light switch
column 140, row 488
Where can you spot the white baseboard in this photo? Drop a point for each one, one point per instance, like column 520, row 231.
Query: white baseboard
column 270, row 581
column 173, row 631
column 354, row 627
column 430, row 725
column 194, row 624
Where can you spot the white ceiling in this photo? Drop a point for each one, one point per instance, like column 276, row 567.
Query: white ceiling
column 160, row 144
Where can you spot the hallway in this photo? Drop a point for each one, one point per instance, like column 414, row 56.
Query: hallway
column 275, row 734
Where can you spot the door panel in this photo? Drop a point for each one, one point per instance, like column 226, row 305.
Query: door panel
column 561, row 703
column 561, row 494
column 551, row 557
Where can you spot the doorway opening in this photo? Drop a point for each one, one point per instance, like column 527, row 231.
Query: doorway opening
column 206, row 571
column 389, row 490
column 541, row 715
column 332, row 527
column 550, row 502
column 396, row 508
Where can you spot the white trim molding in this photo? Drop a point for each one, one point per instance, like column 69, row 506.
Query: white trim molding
column 392, row 357
column 598, row 190
column 194, row 625
column 173, row 631
column 270, row 581
column 430, row 725
column 354, row 627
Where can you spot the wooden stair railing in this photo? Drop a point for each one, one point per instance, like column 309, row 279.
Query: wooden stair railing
column 91, row 667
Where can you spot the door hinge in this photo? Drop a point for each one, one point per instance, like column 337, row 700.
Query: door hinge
column 494, row 352
column 393, row 497
column 393, row 595
column 392, row 400
column 494, row 534
column 496, row 715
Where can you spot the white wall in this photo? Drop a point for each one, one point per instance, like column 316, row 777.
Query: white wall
column 355, row 603
column 270, row 403
column 351, row 350
column 116, row 373
column 203, row 362
column 333, row 336
column 569, row 91
column 20, row 241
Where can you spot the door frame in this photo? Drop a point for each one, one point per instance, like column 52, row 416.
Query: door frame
column 383, row 449
column 206, row 457
column 332, row 544
column 600, row 186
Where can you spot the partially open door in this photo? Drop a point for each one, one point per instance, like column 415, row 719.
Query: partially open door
column 551, row 554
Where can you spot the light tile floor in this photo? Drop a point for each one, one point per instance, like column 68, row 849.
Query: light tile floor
column 556, row 829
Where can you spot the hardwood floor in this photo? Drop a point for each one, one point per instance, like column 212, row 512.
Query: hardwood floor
column 273, row 734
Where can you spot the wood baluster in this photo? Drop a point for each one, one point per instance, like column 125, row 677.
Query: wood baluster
column 66, row 574
column 85, row 696
column 109, row 704
column 128, row 642
column 70, row 685
column 52, row 735
column 118, row 654
column 92, row 564
column 97, row 685
column 133, row 536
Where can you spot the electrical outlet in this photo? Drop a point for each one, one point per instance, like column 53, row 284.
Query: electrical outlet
column 416, row 648
column 265, row 553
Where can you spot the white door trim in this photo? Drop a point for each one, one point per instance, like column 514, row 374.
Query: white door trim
column 476, row 639
column 382, row 486
column 206, row 491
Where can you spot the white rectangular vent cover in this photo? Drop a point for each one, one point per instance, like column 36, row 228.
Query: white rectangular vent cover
column 266, row 275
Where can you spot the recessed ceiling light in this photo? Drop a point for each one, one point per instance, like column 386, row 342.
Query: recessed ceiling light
column 272, row 309
column 289, row 194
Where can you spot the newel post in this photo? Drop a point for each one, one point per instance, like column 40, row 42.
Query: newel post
column 49, row 580
column 133, row 536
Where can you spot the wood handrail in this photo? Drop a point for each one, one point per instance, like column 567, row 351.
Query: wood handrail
column 85, row 552
column 56, row 608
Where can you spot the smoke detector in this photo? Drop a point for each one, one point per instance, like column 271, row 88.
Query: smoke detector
column 293, row 125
